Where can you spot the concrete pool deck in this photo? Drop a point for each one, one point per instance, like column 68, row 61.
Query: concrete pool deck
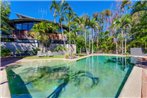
column 135, row 86
column 4, row 87
column 132, row 87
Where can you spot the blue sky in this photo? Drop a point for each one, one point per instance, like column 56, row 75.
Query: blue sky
column 40, row 9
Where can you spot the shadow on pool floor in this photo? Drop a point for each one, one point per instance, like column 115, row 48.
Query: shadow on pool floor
column 17, row 86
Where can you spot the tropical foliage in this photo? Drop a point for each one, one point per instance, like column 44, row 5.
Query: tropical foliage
column 109, row 31
column 139, row 25
column 5, row 12
column 4, row 52
column 60, row 48
column 41, row 32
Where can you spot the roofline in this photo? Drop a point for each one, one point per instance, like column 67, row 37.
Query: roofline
column 21, row 20
column 24, row 18
column 21, row 16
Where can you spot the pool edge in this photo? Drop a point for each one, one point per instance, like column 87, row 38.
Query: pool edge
column 132, row 87
column 76, row 59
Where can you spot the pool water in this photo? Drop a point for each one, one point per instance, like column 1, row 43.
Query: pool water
column 91, row 77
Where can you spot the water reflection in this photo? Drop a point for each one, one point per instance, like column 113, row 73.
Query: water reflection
column 63, row 74
column 123, row 62
column 76, row 77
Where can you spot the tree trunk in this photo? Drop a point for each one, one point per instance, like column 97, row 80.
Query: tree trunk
column 92, row 40
column 116, row 48
column 122, row 43
column 97, row 41
column 63, row 36
column 89, row 44
column 54, row 16
column 85, row 42
column 41, row 46
column 70, row 41
column 125, row 46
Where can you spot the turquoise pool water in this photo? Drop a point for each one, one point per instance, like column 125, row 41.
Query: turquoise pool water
column 92, row 77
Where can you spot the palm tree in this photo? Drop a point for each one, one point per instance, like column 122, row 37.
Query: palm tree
column 126, row 25
column 55, row 7
column 121, row 25
column 69, row 17
column 125, row 3
column 77, row 26
column 85, row 21
column 80, row 26
column 107, row 13
column 61, row 12
column 95, row 15
column 98, row 18
column 83, row 24
column 95, row 26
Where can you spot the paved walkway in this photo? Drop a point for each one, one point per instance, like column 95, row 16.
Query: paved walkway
column 4, row 88
column 9, row 60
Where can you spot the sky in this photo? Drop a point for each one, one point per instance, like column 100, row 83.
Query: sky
column 40, row 9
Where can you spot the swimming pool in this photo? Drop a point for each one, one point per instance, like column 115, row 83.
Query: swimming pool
column 91, row 77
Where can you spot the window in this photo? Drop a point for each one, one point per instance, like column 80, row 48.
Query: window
column 24, row 26
column 30, row 26
column 18, row 26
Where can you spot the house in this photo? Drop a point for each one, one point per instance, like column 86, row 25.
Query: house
column 20, row 39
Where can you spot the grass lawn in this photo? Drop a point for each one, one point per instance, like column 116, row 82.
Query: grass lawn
column 82, row 54
column 43, row 57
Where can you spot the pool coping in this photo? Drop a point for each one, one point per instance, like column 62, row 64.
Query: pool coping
column 5, row 87
column 75, row 59
column 132, row 87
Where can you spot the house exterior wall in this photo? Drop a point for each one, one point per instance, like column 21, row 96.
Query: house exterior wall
column 14, row 46
column 56, row 36
column 70, row 48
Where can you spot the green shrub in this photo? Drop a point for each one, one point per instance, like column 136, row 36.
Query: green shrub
column 60, row 48
column 66, row 56
column 35, row 50
column 81, row 54
column 5, row 52
column 18, row 51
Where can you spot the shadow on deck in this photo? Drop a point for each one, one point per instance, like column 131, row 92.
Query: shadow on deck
column 9, row 60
